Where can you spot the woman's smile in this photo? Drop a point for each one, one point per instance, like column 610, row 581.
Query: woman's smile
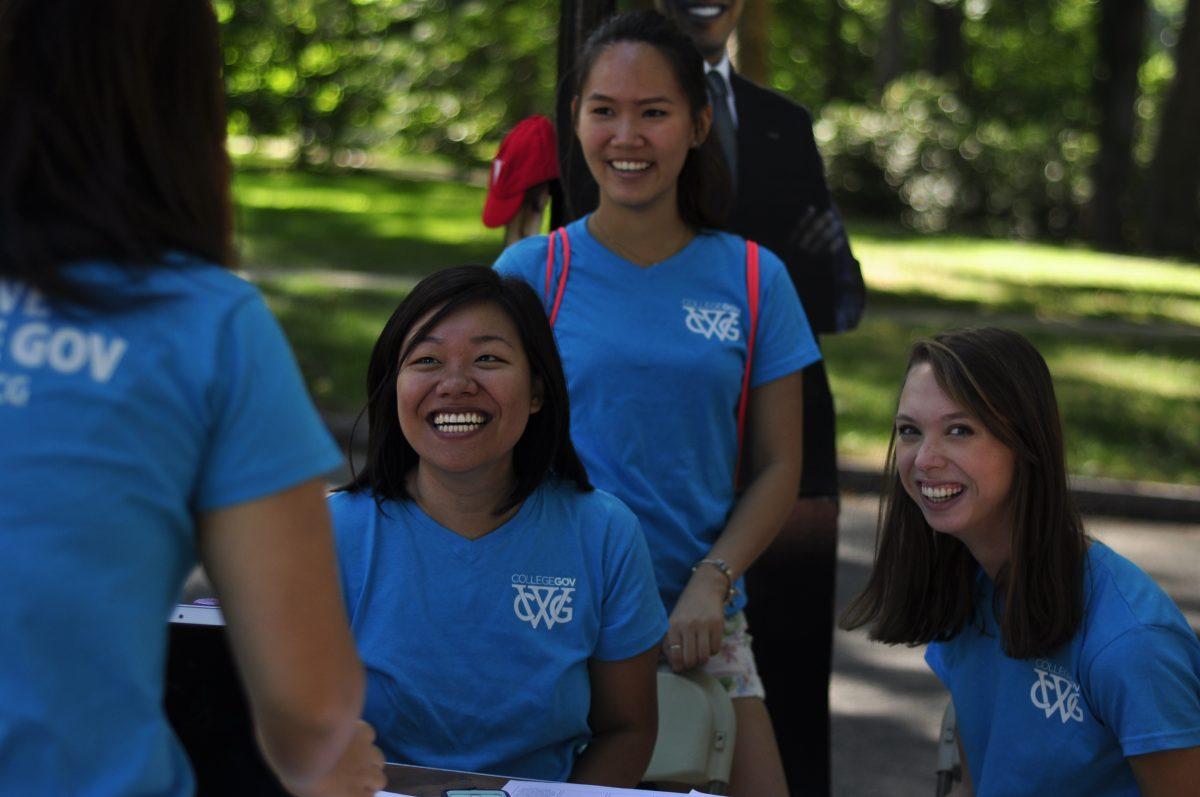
column 634, row 126
column 464, row 392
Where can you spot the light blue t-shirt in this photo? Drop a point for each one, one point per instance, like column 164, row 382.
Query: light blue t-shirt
column 118, row 426
column 654, row 359
column 1127, row 683
column 477, row 651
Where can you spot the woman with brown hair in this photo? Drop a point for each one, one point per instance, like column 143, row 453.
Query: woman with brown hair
column 1071, row 672
column 151, row 414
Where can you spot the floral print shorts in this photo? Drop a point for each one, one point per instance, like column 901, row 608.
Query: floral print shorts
column 733, row 665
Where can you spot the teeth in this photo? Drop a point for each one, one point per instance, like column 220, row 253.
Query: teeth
column 705, row 12
column 630, row 166
column 940, row 493
column 458, row 421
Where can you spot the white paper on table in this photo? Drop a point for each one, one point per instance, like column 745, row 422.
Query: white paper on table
column 390, row 794
column 524, row 788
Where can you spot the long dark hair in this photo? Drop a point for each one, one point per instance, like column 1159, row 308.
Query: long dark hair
column 704, row 189
column 922, row 587
column 112, row 137
column 544, row 449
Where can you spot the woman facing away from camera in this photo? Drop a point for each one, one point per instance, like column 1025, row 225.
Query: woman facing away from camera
column 506, row 612
column 655, row 312
column 151, row 412
column 1071, row 671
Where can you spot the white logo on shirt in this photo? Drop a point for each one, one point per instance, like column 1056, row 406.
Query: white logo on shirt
column 1054, row 692
column 543, row 599
column 713, row 318
column 30, row 341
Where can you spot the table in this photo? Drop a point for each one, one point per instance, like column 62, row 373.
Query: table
column 426, row 782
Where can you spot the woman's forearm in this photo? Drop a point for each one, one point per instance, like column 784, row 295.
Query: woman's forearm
column 758, row 516
column 617, row 757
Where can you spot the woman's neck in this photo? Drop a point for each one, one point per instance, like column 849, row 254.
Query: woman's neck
column 991, row 552
column 464, row 503
column 642, row 236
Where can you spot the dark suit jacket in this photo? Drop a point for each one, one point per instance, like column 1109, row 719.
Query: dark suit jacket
column 780, row 175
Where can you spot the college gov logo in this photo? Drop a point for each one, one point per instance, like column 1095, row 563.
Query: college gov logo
column 543, row 599
column 1054, row 693
column 712, row 319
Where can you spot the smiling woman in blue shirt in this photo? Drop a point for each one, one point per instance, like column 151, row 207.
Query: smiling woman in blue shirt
column 1071, row 671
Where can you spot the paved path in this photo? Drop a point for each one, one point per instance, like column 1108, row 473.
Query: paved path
column 886, row 704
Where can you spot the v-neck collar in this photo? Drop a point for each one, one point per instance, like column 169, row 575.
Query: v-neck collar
column 582, row 236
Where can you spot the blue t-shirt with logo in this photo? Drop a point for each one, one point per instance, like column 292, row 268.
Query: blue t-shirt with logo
column 1128, row 683
column 118, row 427
column 654, row 359
column 477, row 651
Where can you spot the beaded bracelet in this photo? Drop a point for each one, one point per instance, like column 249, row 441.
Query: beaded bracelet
column 726, row 571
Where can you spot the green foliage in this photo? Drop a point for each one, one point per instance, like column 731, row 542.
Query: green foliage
column 399, row 75
column 923, row 152
column 363, row 221
column 307, row 68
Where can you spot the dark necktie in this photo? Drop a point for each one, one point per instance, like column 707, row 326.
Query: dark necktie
column 718, row 93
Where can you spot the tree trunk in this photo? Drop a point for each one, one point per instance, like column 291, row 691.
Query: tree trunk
column 889, row 59
column 1173, row 207
column 754, row 42
column 946, row 59
column 1122, row 37
column 577, row 19
column 835, row 59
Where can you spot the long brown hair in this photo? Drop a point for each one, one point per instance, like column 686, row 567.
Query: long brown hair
column 922, row 588
column 112, row 137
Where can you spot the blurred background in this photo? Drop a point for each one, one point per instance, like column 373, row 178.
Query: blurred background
column 1030, row 163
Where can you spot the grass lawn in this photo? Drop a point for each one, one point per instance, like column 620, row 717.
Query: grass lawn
column 1121, row 334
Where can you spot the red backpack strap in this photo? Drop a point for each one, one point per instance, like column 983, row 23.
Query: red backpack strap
column 744, row 399
column 561, row 232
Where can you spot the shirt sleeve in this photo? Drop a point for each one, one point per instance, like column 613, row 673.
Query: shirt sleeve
column 784, row 343
column 633, row 618
column 1145, row 686
column 265, row 435
column 935, row 658
column 526, row 259
column 347, row 531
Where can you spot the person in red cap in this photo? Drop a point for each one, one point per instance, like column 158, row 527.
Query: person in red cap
column 520, row 177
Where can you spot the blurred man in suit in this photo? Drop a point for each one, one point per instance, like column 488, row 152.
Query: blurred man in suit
column 782, row 202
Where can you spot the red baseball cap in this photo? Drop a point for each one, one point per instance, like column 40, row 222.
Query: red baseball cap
column 528, row 156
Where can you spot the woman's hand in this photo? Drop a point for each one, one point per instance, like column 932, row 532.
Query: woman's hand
column 697, row 623
column 357, row 773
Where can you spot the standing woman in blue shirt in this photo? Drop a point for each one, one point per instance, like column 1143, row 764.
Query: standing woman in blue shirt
column 653, row 324
column 151, row 414
column 1071, row 672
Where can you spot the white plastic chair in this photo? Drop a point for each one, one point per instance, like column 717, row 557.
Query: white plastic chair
column 696, row 732
column 949, row 767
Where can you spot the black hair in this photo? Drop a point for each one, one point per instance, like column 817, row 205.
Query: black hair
column 705, row 190
column 112, row 137
column 545, row 448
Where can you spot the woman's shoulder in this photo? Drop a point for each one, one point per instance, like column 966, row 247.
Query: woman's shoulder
column 176, row 277
column 525, row 254
column 351, row 507
column 590, row 508
column 1120, row 598
column 735, row 246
